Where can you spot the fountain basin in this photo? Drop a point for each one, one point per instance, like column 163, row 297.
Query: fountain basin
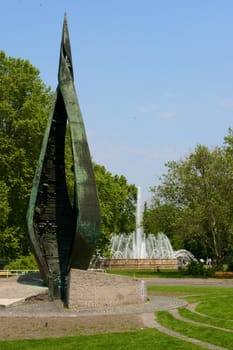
column 136, row 264
column 140, row 251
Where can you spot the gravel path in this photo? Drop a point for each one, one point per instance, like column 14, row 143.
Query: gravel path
column 44, row 308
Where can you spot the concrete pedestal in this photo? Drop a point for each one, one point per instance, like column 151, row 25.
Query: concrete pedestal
column 90, row 289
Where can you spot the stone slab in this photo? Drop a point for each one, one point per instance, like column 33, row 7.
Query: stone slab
column 10, row 302
column 90, row 289
column 15, row 290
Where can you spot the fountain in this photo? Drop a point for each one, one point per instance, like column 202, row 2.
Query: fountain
column 141, row 250
column 123, row 247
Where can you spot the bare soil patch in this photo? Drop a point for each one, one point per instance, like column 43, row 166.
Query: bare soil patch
column 12, row 328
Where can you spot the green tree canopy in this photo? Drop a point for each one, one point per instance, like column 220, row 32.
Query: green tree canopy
column 24, row 104
column 196, row 197
column 118, row 205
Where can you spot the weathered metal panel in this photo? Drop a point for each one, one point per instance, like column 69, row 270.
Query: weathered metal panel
column 63, row 235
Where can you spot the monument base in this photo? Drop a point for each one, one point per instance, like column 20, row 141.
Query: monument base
column 90, row 289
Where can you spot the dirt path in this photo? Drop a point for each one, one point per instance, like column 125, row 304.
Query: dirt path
column 12, row 328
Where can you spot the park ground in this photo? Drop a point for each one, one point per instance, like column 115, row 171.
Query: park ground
column 37, row 318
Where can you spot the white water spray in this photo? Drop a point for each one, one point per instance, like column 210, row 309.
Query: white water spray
column 139, row 246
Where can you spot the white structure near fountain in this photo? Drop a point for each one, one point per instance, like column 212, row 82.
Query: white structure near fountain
column 139, row 246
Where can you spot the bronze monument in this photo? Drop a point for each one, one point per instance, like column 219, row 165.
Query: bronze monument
column 63, row 235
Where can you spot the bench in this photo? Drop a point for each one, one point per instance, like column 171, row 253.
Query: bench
column 224, row 274
column 5, row 273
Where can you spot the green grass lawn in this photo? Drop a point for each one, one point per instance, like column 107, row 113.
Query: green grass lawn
column 218, row 322
column 210, row 335
column 149, row 273
column 214, row 303
column 194, row 293
column 163, row 273
column 145, row 339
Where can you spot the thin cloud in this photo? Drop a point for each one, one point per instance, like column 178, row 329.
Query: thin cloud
column 226, row 102
column 149, row 107
column 167, row 115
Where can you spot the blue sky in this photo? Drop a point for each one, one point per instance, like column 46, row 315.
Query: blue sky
column 154, row 78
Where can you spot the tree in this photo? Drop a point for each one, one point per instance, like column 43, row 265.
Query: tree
column 117, row 203
column 199, row 190
column 8, row 239
column 24, row 105
column 161, row 218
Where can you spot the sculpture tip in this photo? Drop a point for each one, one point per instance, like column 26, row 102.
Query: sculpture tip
column 65, row 64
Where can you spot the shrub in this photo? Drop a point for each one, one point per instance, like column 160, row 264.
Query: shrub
column 22, row 263
column 196, row 268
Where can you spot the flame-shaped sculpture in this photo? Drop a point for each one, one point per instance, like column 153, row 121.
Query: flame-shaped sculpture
column 63, row 235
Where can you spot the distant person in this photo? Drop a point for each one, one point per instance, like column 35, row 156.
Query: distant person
column 179, row 264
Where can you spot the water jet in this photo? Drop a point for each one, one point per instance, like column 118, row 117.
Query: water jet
column 138, row 250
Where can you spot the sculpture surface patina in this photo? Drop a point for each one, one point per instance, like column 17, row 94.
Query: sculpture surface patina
column 63, row 235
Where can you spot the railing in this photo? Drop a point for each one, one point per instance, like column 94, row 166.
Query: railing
column 10, row 273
